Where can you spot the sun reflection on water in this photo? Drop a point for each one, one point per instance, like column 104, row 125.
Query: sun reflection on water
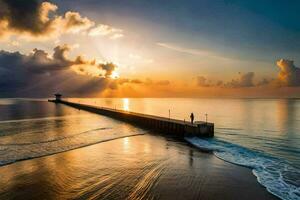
column 126, row 143
column 126, row 104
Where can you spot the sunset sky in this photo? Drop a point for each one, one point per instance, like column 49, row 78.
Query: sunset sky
column 158, row 48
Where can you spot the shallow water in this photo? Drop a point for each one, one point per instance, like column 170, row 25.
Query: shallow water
column 146, row 166
column 260, row 134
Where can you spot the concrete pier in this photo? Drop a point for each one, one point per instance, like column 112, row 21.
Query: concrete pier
column 165, row 125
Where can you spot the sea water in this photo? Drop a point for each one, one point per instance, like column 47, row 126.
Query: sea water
column 262, row 134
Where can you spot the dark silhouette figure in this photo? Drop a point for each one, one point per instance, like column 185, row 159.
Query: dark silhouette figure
column 192, row 118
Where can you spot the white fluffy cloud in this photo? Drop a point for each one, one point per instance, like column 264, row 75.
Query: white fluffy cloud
column 289, row 74
column 105, row 30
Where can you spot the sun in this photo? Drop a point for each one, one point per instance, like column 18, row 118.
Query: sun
column 115, row 75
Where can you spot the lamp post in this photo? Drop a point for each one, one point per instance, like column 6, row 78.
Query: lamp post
column 206, row 117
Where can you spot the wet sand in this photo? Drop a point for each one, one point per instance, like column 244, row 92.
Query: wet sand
column 138, row 167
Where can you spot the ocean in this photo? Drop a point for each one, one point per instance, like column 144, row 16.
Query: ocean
column 261, row 134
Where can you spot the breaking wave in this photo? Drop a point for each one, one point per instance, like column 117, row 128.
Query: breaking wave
column 278, row 176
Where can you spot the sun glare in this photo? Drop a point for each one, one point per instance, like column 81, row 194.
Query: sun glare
column 115, row 75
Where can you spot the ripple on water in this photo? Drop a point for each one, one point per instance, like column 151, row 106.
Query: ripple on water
column 13, row 152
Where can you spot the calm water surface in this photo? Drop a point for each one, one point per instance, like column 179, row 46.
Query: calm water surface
column 261, row 134
column 268, row 125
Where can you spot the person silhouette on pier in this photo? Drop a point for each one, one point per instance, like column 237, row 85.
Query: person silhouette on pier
column 192, row 118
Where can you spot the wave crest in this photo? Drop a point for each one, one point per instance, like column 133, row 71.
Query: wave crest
column 278, row 176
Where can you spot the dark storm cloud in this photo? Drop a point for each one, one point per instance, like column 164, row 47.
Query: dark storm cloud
column 23, row 15
column 40, row 62
column 38, row 19
column 40, row 74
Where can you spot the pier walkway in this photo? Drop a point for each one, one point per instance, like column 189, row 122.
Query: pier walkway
column 162, row 124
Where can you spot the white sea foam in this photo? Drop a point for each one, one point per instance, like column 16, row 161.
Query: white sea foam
column 278, row 176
